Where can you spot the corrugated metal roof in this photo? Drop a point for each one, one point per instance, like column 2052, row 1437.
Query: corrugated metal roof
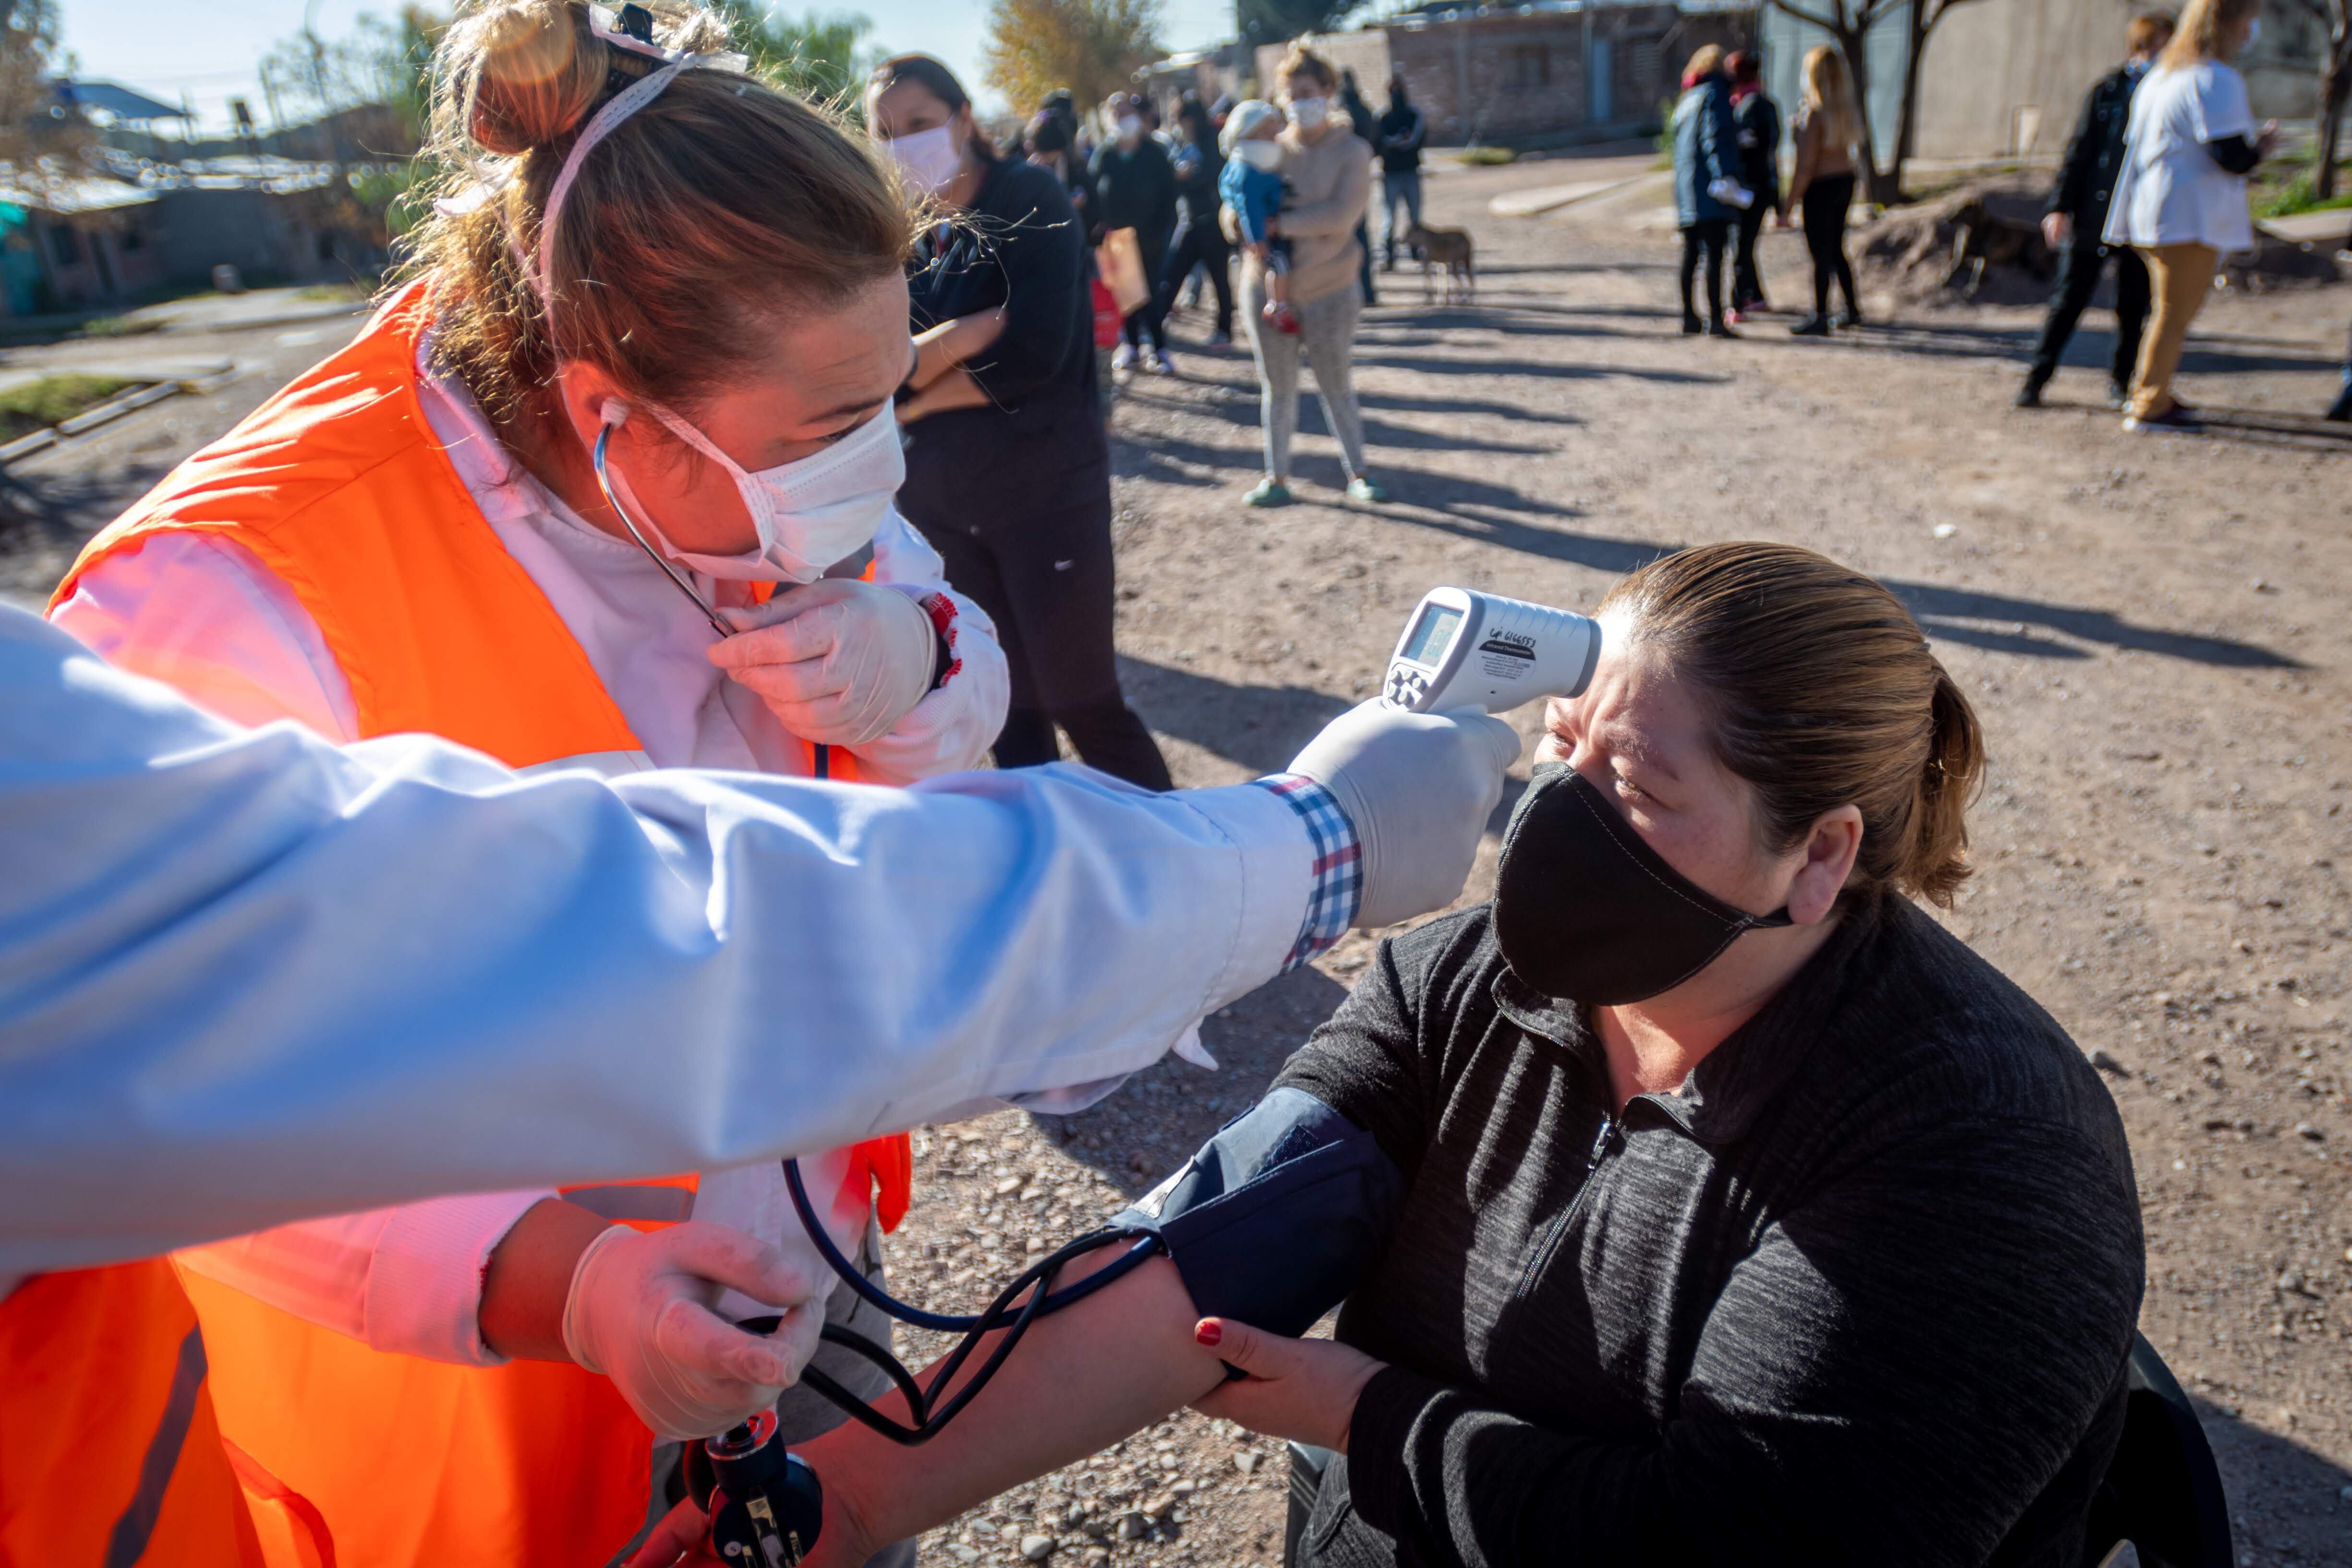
column 108, row 98
column 69, row 196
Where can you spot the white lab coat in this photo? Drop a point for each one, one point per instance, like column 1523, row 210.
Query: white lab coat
column 203, row 613
column 247, row 977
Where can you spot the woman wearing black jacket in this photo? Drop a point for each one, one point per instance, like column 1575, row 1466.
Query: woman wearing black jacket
column 1135, row 187
column 1759, row 120
column 1200, row 242
column 1008, row 470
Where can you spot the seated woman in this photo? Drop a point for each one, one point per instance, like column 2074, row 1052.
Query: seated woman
column 1725, row 1207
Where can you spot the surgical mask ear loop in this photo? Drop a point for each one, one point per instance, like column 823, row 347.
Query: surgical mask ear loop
column 605, row 484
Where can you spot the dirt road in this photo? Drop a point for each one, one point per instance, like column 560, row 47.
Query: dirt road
column 2153, row 628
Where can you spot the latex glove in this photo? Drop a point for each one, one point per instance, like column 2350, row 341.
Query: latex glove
column 640, row 1312
column 1419, row 788
column 839, row 661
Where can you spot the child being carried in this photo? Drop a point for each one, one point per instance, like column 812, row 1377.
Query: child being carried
column 1252, row 188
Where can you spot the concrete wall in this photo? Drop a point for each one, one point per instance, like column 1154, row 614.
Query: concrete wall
column 260, row 233
column 1508, row 77
column 2006, row 78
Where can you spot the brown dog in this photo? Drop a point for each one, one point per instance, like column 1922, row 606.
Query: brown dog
column 1447, row 247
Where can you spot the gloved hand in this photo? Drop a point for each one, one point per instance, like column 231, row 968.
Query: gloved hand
column 838, row 660
column 640, row 1312
column 1419, row 788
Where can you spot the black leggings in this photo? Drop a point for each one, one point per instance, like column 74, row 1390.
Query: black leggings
column 1046, row 578
column 1827, row 200
column 1747, row 283
column 1200, row 244
column 1150, row 318
column 1708, row 236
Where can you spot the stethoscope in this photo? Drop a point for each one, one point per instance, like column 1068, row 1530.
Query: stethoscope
column 822, row 756
column 764, row 1504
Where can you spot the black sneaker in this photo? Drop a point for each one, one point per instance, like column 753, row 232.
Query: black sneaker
column 2027, row 396
column 1845, row 319
column 2118, row 394
column 1721, row 330
column 1811, row 327
column 2342, row 412
column 1693, row 326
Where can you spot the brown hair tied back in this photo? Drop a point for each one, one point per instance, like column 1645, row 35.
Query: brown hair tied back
column 1822, row 693
column 703, row 218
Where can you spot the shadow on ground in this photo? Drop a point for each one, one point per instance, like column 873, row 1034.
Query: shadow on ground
column 2305, row 1516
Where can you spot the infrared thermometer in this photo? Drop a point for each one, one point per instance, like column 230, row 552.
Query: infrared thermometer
column 1463, row 648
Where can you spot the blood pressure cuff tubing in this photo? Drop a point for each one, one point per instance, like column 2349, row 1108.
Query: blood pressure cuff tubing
column 1279, row 1215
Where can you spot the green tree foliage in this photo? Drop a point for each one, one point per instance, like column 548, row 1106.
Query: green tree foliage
column 28, row 47
column 1279, row 21
column 1090, row 47
column 822, row 58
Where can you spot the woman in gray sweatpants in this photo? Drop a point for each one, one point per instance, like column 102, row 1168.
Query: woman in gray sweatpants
column 1326, row 334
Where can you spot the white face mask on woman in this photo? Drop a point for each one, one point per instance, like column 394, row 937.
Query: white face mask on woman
column 1131, row 127
column 930, row 158
column 1308, row 113
column 809, row 514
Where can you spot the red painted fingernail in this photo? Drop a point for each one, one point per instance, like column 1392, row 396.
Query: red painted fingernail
column 1208, row 1331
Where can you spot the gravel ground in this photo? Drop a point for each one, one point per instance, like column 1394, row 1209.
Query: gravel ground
column 2152, row 627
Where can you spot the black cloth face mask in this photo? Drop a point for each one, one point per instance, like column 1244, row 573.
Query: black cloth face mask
column 1586, row 911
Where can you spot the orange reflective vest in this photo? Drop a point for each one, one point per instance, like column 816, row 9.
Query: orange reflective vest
column 109, row 1455
column 338, row 485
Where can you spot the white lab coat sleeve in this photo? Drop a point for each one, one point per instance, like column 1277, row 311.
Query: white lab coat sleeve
column 202, row 613
column 247, row 977
column 951, row 728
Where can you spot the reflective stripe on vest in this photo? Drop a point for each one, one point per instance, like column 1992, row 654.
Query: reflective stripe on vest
column 338, row 486
column 108, row 1450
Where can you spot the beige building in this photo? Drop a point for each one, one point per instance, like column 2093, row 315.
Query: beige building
column 2006, row 78
column 1533, row 74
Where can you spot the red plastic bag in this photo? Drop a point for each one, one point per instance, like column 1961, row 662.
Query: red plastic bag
column 1107, row 319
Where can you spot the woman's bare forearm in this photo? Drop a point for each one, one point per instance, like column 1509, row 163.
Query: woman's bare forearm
column 954, row 390
column 950, row 344
column 1078, row 1381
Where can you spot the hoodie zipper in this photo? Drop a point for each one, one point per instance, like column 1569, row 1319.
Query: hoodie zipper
column 1604, row 1144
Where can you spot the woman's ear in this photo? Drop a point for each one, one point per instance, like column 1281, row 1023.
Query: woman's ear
column 1829, row 855
column 587, row 392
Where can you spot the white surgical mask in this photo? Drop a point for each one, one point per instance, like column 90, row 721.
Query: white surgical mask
column 930, row 158
column 1309, row 112
column 809, row 514
column 1259, row 154
column 1130, row 126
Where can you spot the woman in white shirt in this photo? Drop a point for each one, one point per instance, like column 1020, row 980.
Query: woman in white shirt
column 2181, row 199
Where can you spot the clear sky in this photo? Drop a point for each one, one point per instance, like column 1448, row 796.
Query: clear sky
column 208, row 50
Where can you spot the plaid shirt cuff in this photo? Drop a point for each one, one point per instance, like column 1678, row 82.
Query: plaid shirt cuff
column 1339, row 864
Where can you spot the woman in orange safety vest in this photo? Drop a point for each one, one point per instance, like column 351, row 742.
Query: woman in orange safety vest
column 607, row 484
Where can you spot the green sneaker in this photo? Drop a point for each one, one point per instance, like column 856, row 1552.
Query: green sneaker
column 1365, row 491
column 1269, row 492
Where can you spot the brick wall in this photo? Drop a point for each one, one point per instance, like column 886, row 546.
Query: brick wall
column 1508, row 77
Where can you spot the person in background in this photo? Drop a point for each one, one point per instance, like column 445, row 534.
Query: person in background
column 1399, row 137
column 1367, row 126
column 2180, row 197
column 2076, row 221
column 1008, row 468
column 1822, row 188
column 1134, row 186
column 1200, row 239
column 1329, row 173
column 1706, row 184
column 1758, row 119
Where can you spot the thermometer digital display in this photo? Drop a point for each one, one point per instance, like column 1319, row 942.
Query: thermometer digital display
column 1463, row 648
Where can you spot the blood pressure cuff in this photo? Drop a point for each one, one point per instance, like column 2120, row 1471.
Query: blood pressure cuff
column 1279, row 1215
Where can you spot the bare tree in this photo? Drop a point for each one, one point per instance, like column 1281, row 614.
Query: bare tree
column 2334, row 20
column 1848, row 23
